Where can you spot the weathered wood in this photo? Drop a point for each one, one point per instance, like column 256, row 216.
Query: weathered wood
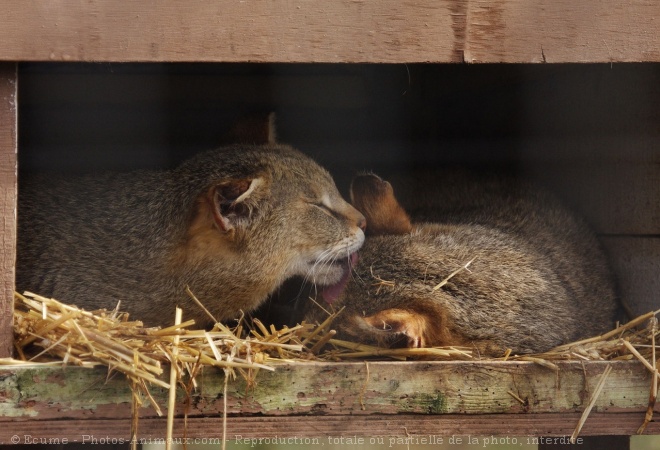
column 332, row 31
column 560, row 31
column 446, row 397
column 401, row 426
column 8, row 149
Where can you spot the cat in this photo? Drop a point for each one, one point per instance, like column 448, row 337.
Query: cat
column 230, row 224
column 489, row 263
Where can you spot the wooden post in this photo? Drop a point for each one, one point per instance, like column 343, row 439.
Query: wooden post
column 8, row 148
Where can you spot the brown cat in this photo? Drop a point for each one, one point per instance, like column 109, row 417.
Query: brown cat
column 232, row 224
column 489, row 264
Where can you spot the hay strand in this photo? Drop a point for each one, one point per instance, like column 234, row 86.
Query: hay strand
column 174, row 375
column 200, row 304
column 49, row 333
column 516, row 397
column 590, row 405
column 654, row 380
column 94, row 338
column 453, row 274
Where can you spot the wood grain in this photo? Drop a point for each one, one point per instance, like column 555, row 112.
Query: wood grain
column 347, row 393
column 562, row 31
column 208, row 430
column 331, row 31
column 8, row 149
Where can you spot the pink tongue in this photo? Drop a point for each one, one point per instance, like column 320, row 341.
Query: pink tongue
column 332, row 292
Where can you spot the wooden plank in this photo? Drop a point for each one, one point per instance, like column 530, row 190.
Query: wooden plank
column 348, row 391
column 8, row 148
column 540, row 428
column 636, row 261
column 331, row 31
column 562, row 31
column 292, row 31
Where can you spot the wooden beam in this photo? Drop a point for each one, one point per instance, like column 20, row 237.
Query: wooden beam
column 443, row 398
column 387, row 31
column 8, row 148
column 553, row 428
column 562, row 31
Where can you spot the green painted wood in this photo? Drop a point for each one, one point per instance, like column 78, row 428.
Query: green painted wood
column 339, row 389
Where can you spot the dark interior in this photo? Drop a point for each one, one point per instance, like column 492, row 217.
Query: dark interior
column 79, row 117
column 591, row 132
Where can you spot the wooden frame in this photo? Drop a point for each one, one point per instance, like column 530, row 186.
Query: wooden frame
column 364, row 399
column 387, row 31
column 8, row 151
column 390, row 31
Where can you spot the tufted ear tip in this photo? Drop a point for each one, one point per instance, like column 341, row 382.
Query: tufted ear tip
column 374, row 198
column 254, row 129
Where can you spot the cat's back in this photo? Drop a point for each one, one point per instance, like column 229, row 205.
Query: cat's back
column 529, row 219
column 79, row 229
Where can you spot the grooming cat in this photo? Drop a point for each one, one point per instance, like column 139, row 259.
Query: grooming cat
column 232, row 224
column 488, row 264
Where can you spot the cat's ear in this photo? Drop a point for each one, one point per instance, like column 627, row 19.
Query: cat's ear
column 254, row 129
column 232, row 202
column 374, row 197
